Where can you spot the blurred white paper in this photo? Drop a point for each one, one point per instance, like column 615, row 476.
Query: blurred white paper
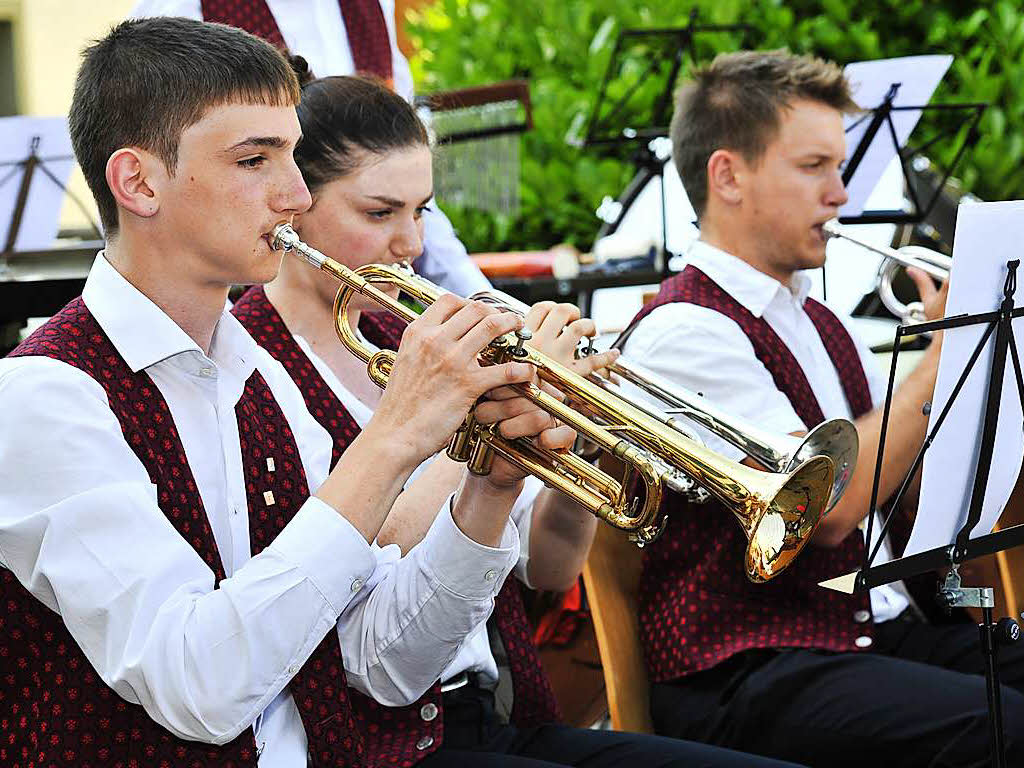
column 41, row 219
column 987, row 236
column 918, row 77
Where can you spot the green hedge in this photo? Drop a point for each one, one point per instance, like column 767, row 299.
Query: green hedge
column 563, row 47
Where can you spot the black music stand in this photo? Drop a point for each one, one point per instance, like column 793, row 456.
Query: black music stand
column 881, row 117
column 952, row 594
column 628, row 122
column 26, row 169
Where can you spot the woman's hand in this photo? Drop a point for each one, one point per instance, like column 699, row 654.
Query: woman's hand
column 557, row 332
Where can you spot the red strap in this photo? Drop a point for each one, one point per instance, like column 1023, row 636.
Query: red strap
column 367, row 37
column 253, row 16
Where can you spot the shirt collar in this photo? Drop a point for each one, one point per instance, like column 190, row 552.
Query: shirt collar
column 142, row 333
column 752, row 288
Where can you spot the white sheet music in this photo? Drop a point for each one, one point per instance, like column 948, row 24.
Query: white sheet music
column 41, row 220
column 987, row 236
column 918, row 77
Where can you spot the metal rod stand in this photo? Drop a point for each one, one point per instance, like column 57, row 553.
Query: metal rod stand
column 991, row 635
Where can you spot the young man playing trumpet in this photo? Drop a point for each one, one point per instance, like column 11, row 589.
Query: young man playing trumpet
column 786, row 668
column 179, row 564
column 175, row 554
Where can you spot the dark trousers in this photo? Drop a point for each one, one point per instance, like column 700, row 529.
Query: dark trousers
column 474, row 736
column 918, row 700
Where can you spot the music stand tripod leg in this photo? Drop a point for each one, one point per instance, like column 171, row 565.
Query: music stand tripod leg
column 990, row 650
column 992, row 635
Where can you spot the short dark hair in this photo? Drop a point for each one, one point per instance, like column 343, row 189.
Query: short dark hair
column 150, row 79
column 341, row 117
column 735, row 103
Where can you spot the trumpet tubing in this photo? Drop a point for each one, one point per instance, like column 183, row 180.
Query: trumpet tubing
column 933, row 263
column 778, row 512
column 836, row 438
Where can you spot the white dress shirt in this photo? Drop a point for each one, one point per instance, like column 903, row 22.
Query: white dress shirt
column 315, row 30
column 81, row 529
column 474, row 655
column 707, row 352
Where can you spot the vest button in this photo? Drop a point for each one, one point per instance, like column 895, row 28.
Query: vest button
column 428, row 711
column 861, row 616
column 863, row 641
column 425, row 743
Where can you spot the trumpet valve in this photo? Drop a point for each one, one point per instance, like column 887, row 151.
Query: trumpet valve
column 523, row 335
column 481, row 458
column 461, row 446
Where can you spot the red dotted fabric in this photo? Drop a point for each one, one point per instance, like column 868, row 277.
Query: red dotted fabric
column 697, row 607
column 253, row 16
column 844, row 356
column 364, row 25
column 534, row 700
column 54, row 709
column 367, row 37
column 320, row 689
column 264, row 324
column 392, row 733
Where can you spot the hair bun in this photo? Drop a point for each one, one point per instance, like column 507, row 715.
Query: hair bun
column 301, row 68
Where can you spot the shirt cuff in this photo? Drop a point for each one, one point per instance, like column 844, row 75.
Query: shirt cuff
column 463, row 566
column 329, row 549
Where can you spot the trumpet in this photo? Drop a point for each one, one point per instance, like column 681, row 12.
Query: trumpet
column 836, row 438
column 933, row 263
column 778, row 512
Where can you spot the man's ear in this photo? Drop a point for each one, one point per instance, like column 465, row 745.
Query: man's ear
column 725, row 174
column 133, row 176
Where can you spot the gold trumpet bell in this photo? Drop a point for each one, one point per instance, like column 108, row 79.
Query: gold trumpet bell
column 779, row 524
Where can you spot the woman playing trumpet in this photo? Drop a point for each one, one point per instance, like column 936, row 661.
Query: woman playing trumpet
column 366, row 159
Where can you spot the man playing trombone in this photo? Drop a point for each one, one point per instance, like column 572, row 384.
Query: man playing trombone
column 786, row 668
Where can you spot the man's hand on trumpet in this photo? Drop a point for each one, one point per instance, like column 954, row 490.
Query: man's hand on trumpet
column 436, row 379
column 557, row 331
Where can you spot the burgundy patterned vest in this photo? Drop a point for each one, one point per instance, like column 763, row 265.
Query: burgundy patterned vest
column 697, row 607
column 392, row 734
column 365, row 28
column 54, row 709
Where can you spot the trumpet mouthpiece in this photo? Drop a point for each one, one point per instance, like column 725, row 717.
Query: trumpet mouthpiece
column 283, row 237
column 831, row 228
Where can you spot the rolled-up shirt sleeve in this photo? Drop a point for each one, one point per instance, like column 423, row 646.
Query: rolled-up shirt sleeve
column 406, row 630
column 80, row 528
